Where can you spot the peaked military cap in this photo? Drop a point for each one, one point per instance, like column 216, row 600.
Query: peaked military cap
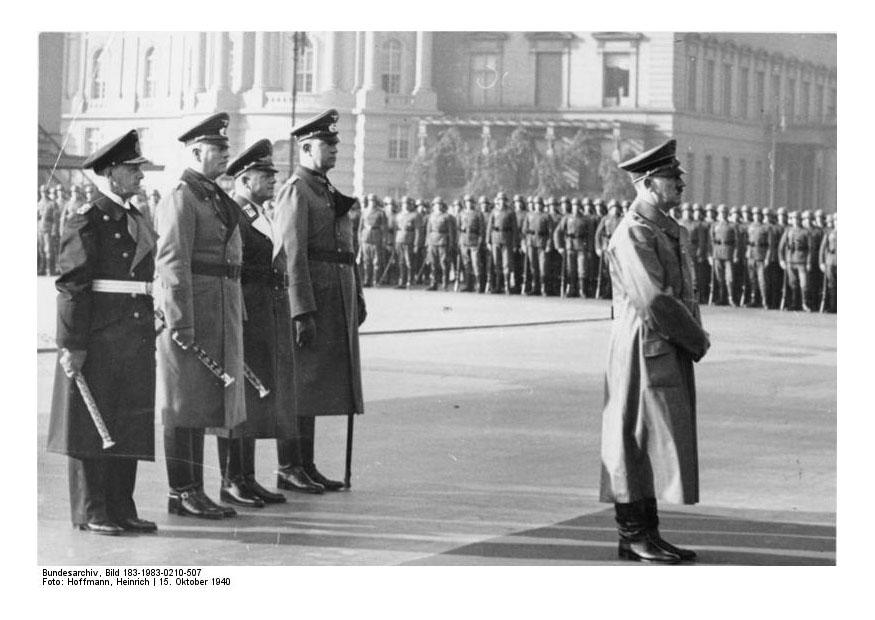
column 322, row 126
column 123, row 150
column 212, row 130
column 721, row 208
column 659, row 161
column 613, row 202
column 259, row 156
column 733, row 209
column 818, row 213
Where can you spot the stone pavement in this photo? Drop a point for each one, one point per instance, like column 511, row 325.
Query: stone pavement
column 481, row 446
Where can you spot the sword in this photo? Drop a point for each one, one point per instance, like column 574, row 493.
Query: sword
column 93, row 411
column 391, row 262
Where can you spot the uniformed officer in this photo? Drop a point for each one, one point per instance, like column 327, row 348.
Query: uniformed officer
column 571, row 239
column 520, row 275
column 761, row 246
column 484, row 205
column 739, row 267
column 814, row 223
column 198, row 294
column 554, row 260
column 472, row 238
column 422, row 209
column 649, row 446
column 828, row 259
column 502, row 242
column 724, row 244
column 390, row 259
column 48, row 223
column 536, row 230
column 59, row 197
column 374, row 228
column 700, row 245
column 603, row 234
column 106, row 336
column 440, row 241
column 267, row 337
column 408, row 239
column 327, row 302
column 797, row 255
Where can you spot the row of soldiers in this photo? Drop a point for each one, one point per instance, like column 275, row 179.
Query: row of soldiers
column 57, row 204
column 743, row 256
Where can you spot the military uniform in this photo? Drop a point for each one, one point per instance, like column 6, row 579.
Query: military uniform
column 472, row 237
column 603, row 234
column 536, row 234
column 797, row 254
column 502, row 241
column 816, row 277
column 440, row 240
column 105, row 310
column 761, row 245
column 408, row 239
column 828, row 259
column 571, row 236
column 724, row 255
column 372, row 238
column 48, row 225
column 198, row 262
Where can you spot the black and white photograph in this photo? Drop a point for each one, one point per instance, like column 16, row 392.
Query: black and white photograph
column 440, row 297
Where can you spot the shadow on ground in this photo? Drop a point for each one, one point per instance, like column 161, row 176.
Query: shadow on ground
column 592, row 539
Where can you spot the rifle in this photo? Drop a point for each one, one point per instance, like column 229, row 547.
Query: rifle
column 562, row 290
column 598, row 279
column 458, row 268
column 784, row 290
column 348, row 474
column 823, row 294
column 713, row 281
column 392, row 258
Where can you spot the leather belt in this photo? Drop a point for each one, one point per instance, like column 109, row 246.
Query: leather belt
column 331, row 256
column 129, row 287
column 267, row 277
column 232, row 272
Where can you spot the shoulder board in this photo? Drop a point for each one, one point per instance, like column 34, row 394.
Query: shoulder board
column 85, row 208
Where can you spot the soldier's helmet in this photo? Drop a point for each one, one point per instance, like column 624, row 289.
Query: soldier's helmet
column 754, row 210
column 564, row 200
column 685, row 206
column 793, row 215
column 406, row 200
column 781, row 211
column 468, row 198
column 613, row 202
column 697, row 206
column 766, row 211
column 744, row 209
column 733, row 210
column 518, row 198
column 818, row 213
column 539, row 201
column 420, row 202
column 484, row 200
column 721, row 208
column 500, row 197
column 806, row 214
column 437, row 200
column 575, row 201
column 587, row 200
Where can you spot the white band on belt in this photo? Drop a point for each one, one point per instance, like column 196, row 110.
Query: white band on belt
column 122, row 286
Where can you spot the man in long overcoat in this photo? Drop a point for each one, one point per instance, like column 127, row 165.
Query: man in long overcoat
column 106, row 334
column 327, row 303
column 198, row 295
column 649, row 422
column 267, row 332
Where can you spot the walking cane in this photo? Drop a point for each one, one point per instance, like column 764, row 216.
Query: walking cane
column 349, row 424
column 598, row 282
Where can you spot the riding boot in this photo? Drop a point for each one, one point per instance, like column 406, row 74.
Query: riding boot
column 651, row 514
column 637, row 542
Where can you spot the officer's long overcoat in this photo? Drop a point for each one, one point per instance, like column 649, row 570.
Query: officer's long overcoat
column 649, row 420
column 198, row 223
column 327, row 371
column 115, row 329
column 267, row 328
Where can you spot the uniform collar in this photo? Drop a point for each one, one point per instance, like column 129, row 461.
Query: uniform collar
column 653, row 214
column 199, row 184
column 112, row 208
column 309, row 173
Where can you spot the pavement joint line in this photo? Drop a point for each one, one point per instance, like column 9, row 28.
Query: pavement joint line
column 451, row 328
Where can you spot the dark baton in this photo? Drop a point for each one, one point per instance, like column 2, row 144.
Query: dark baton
column 91, row 405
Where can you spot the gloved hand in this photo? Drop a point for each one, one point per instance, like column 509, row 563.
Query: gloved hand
column 305, row 330
column 72, row 361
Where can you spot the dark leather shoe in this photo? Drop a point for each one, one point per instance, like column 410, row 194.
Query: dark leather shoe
column 104, row 528
column 268, row 497
column 140, row 526
column 190, row 504
column 238, row 493
column 226, row 511
column 296, row 479
column 315, row 476
column 645, row 549
column 686, row 555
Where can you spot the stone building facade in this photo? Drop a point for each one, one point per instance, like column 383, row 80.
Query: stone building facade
column 731, row 100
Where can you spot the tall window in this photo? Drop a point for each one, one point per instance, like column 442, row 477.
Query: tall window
column 399, row 141
column 484, row 87
column 727, row 90
column 743, row 91
column 709, row 174
column 724, row 181
column 92, row 140
column 548, row 79
column 99, row 71
column 617, row 67
column 392, row 66
column 805, row 107
column 760, row 93
column 742, row 181
column 777, row 106
column 304, row 75
column 150, row 73
column 791, row 99
column 818, row 103
column 709, row 86
column 692, row 83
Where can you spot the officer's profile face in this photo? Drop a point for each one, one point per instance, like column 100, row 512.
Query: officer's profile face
column 213, row 159
column 668, row 190
column 319, row 154
column 124, row 179
column 260, row 184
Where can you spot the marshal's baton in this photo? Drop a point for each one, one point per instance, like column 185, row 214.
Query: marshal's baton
column 93, row 411
column 212, row 365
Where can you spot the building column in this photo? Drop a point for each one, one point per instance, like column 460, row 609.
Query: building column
column 423, row 93
column 332, row 56
column 370, row 93
column 220, row 61
column 198, row 57
column 359, row 61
